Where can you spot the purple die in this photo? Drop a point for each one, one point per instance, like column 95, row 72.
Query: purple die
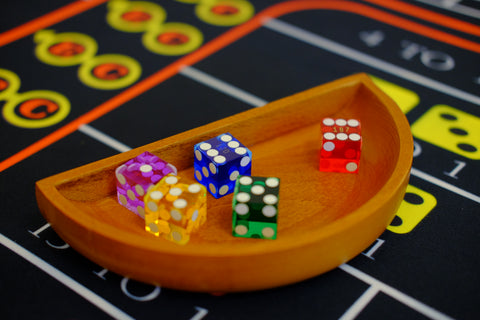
column 136, row 176
column 218, row 162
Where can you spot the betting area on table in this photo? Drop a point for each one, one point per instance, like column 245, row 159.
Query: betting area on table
column 141, row 71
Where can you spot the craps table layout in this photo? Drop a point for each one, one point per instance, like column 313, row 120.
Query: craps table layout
column 141, row 71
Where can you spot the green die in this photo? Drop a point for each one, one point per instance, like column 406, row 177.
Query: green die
column 255, row 207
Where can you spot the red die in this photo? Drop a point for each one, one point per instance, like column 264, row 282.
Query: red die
column 341, row 145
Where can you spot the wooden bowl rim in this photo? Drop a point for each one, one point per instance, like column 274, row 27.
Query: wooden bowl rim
column 385, row 195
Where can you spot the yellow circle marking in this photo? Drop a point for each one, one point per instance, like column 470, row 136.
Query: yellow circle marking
column 64, row 49
column 135, row 16
column 9, row 82
column 172, row 39
column 225, row 13
column 44, row 118
column 129, row 70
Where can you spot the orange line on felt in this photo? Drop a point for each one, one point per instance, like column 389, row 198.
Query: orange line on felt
column 375, row 14
column 428, row 15
column 222, row 41
column 47, row 20
column 132, row 92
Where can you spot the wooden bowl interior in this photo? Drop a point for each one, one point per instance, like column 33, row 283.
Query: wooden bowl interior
column 285, row 144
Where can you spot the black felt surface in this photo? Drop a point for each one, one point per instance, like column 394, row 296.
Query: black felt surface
column 433, row 267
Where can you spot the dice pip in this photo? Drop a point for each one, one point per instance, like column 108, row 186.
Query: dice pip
column 136, row 176
column 218, row 163
column 341, row 145
column 174, row 209
column 255, row 207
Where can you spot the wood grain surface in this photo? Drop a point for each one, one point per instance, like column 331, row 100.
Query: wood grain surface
column 325, row 219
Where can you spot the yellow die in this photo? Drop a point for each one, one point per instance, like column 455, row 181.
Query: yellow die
column 174, row 209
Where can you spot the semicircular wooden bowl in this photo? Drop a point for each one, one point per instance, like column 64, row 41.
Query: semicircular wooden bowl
column 324, row 220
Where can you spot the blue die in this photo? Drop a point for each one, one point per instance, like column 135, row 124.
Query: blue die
column 218, row 163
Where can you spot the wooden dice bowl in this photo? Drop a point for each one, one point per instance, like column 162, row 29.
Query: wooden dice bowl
column 325, row 219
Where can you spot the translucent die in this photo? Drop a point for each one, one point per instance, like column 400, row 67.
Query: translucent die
column 341, row 145
column 136, row 176
column 174, row 209
column 255, row 207
column 219, row 161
